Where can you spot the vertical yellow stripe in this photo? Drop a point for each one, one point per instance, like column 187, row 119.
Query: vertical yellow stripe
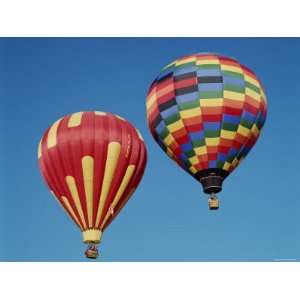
column 52, row 135
column 122, row 188
column 75, row 119
column 74, row 192
column 88, row 177
column 70, row 210
column 113, row 153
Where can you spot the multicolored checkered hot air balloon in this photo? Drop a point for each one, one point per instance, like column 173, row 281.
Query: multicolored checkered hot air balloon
column 206, row 112
column 92, row 162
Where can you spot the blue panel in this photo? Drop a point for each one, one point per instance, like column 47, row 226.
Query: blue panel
column 209, row 72
column 222, row 157
column 187, row 97
column 186, row 147
column 248, row 116
column 231, row 119
column 160, row 127
column 183, row 157
column 197, row 136
column 170, row 111
column 182, row 70
column 233, row 80
column 233, row 152
column 212, row 125
column 212, row 164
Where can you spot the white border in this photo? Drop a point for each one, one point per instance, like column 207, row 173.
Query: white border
column 149, row 18
column 149, row 281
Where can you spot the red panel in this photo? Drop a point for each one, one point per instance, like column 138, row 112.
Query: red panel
column 212, row 118
column 186, row 82
column 165, row 98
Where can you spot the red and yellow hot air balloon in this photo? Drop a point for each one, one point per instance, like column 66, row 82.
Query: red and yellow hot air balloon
column 92, row 162
column 206, row 111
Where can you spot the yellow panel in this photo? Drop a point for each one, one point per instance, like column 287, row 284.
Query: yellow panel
column 170, row 153
column 175, row 126
column 200, row 150
column 193, row 170
column 252, row 94
column 251, row 80
column 226, row 166
column 168, row 140
column 88, row 178
column 74, row 192
column 212, row 141
column 100, row 113
column 112, row 159
column 168, row 65
column 52, row 135
column 231, row 68
column 227, row 134
column 40, row 149
column 207, row 62
column 150, row 101
column 263, row 95
column 255, row 130
column 189, row 113
column 70, row 210
column 75, row 119
column 211, row 102
column 233, row 95
column 194, row 160
column 235, row 162
column 126, row 179
column 244, row 131
column 185, row 61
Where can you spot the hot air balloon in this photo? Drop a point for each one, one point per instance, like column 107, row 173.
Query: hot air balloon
column 92, row 163
column 206, row 111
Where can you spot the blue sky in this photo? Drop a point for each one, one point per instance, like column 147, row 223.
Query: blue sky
column 167, row 218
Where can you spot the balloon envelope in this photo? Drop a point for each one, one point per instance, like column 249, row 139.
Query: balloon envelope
column 206, row 112
column 92, row 162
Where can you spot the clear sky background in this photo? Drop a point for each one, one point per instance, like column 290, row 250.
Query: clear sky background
column 167, row 219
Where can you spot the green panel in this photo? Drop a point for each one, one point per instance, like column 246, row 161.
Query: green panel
column 220, row 164
column 210, row 94
column 230, row 158
column 164, row 133
column 234, row 88
column 252, row 87
column 190, row 153
column 189, row 105
column 211, row 133
column 246, row 123
column 229, row 126
column 190, row 64
column 209, row 66
column 198, row 143
column 172, row 119
column 233, row 74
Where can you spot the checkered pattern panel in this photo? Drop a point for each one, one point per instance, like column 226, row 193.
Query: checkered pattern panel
column 206, row 111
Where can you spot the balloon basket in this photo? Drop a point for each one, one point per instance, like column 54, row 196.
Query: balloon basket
column 213, row 203
column 92, row 252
